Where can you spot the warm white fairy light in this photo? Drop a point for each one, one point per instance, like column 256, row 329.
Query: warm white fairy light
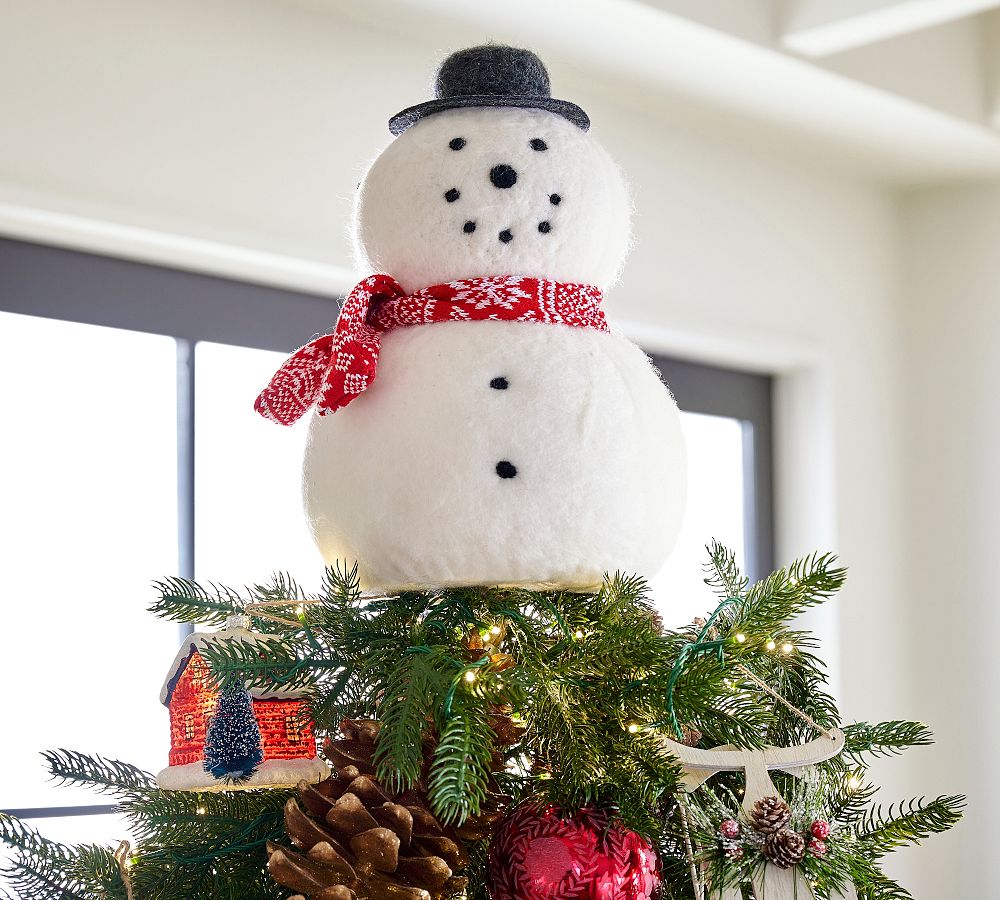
column 300, row 610
column 579, row 635
column 470, row 676
column 771, row 645
column 495, row 631
column 202, row 810
column 633, row 728
column 741, row 638
column 854, row 783
column 787, row 648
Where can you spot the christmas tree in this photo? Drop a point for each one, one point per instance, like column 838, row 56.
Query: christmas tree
column 233, row 749
column 494, row 706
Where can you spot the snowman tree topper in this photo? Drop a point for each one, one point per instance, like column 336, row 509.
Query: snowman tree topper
column 476, row 421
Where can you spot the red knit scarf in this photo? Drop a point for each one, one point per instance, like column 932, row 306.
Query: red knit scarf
column 332, row 370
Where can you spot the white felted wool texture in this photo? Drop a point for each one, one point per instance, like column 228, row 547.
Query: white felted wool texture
column 404, row 479
column 406, row 227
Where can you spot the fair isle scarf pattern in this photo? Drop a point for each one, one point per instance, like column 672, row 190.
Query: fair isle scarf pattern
column 334, row 369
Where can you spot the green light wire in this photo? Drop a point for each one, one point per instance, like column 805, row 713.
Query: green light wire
column 693, row 648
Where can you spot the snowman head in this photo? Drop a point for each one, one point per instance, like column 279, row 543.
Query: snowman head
column 494, row 177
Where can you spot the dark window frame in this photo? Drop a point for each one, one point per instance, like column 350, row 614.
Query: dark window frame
column 58, row 283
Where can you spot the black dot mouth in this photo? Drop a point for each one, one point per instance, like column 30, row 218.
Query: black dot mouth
column 499, row 383
column 505, row 236
column 506, row 469
column 544, row 227
column 469, row 227
column 555, row 199
column 452, row 194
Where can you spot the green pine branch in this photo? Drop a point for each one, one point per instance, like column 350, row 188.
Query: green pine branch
column 108, row 776
column 460, row 770
column 884, row 738
column 885, row 830
column 412, row 693
column 185, row 601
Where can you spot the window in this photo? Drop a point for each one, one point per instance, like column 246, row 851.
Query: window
column 130, row 460
column 726, row 417
column 293, row 728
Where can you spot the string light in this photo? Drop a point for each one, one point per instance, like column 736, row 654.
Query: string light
column 770, row 645
column 633, row 728
column 853, row 783
column 579, row 635
column 470, row 676
column 300, row 610
column 202, row 810
column 495, row 631
column 787, row 648
column 741, row 638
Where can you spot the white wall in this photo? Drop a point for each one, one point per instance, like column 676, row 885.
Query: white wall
column 951, row 310
column 248, row 124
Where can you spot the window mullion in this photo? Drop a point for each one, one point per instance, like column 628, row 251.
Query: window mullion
column 185, row 463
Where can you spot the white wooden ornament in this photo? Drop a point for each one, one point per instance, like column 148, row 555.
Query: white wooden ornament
column 770, row 882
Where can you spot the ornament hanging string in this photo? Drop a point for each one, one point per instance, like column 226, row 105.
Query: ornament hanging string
column 696, row 882
column 123, row 856
column 791, row 707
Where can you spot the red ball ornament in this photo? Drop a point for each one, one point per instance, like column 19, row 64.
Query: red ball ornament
column 730, row 829
column 540, row 854
column 817, row 847
column 820, row 830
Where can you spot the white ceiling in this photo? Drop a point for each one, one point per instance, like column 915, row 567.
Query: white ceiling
column 906, row 87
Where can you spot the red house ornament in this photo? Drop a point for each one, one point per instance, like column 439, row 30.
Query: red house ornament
column 287, row 738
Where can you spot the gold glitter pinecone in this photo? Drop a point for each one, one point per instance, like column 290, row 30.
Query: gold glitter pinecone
column 785, row 848
column 770, row 815
column 358, row 841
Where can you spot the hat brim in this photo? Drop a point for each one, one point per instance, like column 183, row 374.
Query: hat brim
column 413, row 114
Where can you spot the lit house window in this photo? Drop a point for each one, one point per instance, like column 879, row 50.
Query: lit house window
column 293, row 729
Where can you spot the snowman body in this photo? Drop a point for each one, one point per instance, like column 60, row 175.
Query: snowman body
column 497, row 452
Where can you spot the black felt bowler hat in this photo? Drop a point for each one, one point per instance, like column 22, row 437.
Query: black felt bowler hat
column 490, row 75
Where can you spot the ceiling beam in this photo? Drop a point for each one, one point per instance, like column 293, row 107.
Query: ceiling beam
column 824, row 27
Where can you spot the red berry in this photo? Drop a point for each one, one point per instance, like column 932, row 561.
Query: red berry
column 730, row 829
column 820, row 830
column 734, row 853
column 817, row 847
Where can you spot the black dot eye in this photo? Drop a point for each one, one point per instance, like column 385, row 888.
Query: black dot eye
column 456, row 143
column 544, row 227
column 505, row 236
column 506, row 469
column 469, row 227
column 555, row 199
column 538, row 144
column 452, row 195
column 499, row 383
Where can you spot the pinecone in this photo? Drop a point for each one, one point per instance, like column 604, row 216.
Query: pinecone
column 691, row 736
column 362, row 843
column 785, row 848
column 770, row 815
